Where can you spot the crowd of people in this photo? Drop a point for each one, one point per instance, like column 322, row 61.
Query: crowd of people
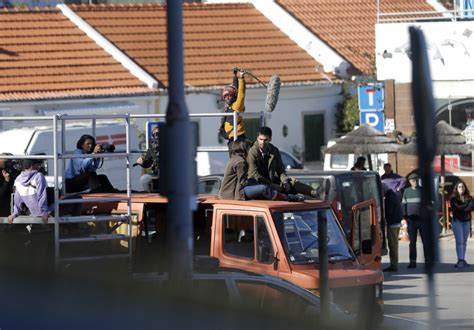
column 402, row 201
column 254, row 171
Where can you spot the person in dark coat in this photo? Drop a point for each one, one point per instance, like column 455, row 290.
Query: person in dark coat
column 266, row 166
column 359, row 165
column 388, row 172
column 461, row 206
column 393, row 216
column 237, row 185
column 151, row 159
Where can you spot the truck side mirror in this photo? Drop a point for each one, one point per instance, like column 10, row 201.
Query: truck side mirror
column 367, row 246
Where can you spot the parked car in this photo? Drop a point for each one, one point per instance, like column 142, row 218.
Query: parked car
column 253, row 297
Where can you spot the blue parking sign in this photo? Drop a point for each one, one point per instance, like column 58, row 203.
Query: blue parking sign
column 374, row 119
column 371, row 97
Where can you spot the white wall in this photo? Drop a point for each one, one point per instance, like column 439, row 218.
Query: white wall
column 450, row 50
column 292, row 103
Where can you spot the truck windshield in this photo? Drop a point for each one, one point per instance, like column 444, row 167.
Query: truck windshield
column 298, row 231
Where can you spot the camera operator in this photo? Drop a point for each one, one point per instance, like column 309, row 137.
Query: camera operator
column 150, row 159
column 10, row 169
column 81, row 172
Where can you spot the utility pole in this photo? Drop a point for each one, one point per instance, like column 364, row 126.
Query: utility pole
column 176, row 156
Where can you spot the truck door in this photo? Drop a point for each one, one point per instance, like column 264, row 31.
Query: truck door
column 365, row 240
column 243, row 240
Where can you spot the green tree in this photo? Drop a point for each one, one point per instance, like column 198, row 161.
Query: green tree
column 347, row 113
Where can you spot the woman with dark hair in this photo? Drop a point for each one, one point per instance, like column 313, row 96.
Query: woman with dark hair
column 236, row 185
column 461, row 205
column 81, row 172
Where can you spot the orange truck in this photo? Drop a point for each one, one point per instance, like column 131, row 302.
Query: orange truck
column 276, row 238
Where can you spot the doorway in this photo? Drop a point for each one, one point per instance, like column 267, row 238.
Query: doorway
column 313, row 125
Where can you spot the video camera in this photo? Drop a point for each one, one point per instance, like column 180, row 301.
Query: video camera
column 107, row 147
column 12, row 166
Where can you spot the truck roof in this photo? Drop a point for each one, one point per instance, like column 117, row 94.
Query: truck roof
column 142, row 197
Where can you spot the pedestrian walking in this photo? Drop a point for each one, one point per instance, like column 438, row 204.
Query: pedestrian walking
column 393, row 216
column 461, row 206
column 411, row 202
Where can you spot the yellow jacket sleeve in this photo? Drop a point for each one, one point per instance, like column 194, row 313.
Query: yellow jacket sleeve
column 239, row 104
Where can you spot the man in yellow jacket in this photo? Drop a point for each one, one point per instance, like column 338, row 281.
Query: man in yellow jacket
column 234, row 98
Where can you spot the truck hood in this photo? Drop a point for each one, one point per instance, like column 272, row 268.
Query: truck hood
column 344, row 277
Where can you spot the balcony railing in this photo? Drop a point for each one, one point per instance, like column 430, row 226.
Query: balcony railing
column 458, row 10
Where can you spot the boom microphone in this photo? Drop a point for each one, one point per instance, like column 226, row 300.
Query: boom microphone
column 273, row 91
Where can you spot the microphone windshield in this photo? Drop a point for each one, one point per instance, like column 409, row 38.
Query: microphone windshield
column 273, row 91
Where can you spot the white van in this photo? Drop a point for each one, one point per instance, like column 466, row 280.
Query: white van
column 39, row 141
column 214, row 162
column 344, row 162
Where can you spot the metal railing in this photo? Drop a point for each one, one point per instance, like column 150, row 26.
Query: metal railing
column 59, row 125
column 57, row 156
column 455, row 14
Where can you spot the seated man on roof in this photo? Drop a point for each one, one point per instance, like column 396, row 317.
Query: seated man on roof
column 236, row 185
column 266, row 166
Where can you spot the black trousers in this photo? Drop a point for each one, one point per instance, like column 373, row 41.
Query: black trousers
column 89, row 180
column 415, row 225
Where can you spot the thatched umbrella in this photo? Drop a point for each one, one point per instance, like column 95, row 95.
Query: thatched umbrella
column 365, row 140
column 450, row 142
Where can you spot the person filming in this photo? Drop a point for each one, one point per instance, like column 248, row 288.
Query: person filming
column 81, row 173
column 150, row 159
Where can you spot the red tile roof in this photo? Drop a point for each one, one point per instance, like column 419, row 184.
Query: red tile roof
column 348, row 26
column 217, row 37
column 43, row 55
